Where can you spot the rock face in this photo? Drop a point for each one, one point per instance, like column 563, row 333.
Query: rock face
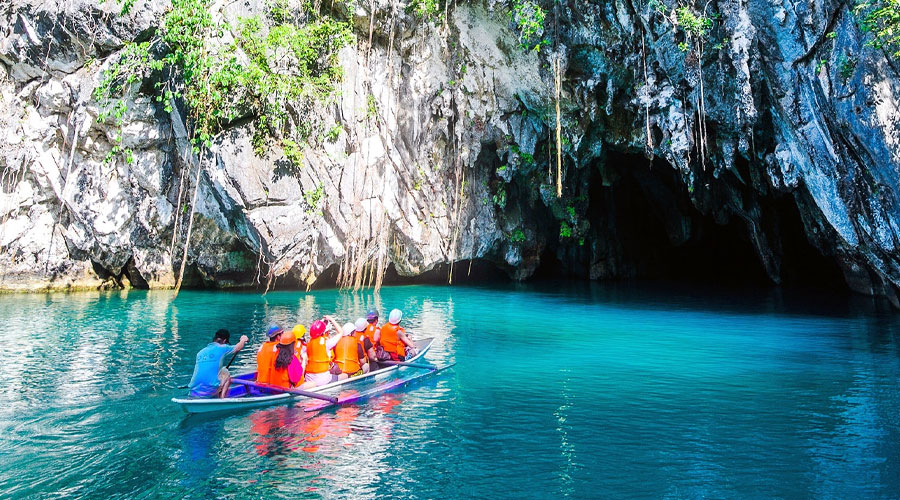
column 775, row 147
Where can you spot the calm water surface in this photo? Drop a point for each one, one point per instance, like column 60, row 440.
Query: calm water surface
column 558, row 391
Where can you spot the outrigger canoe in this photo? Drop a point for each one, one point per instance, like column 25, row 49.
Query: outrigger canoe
column 243, row 396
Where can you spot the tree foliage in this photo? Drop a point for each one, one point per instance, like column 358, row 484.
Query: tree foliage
column 881, row 18
column 528, row 17
column 221, row 72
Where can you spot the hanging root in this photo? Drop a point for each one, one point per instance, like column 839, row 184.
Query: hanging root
column 648, row 145
column 558, row 80
column 187, row 238
column 455, row 240
column 365, row 260
column 701, row 109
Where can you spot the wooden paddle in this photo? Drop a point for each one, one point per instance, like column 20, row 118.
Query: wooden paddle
column 232, row 361
column 299, row 392
column 404, row 363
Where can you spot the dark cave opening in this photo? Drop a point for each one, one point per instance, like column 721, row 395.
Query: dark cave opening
column 802, row 264
column 647, row 206
column 643, row 225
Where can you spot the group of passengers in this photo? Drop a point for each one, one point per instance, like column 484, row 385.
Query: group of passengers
column 289, row 360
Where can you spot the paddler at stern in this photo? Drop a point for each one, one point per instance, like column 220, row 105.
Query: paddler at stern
column 210, row 377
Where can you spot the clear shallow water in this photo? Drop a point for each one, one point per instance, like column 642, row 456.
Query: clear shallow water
column 559, row 391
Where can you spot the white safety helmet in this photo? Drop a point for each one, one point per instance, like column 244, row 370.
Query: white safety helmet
column 361, row 324
column 396, row 316
column 349, row 328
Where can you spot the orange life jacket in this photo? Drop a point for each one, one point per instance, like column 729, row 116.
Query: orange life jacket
column 361, row 338
column 318, row 356
column 282, row 377
column 346, row 354
column 390, row 340
column 369, row 332
column 265, row 361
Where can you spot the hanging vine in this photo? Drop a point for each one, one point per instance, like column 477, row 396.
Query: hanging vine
column 695, row 29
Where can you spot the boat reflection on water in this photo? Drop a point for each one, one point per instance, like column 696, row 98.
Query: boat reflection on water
column 347, row 446
column 285, row 430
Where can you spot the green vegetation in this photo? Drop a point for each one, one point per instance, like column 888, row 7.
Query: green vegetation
column 334, row 132
column 428, row 10
column 846, row 68
column 116, row 150
column 279, row 10
column 517, row 236
column 527, row 158
column 313, row 198
column 528, row 17
column 219, row 73
column 371, row 107
column 292, row 152
column 881, row 18
column 499, row 198
column 565, row 231
column 658, row 6
column 696, row 29
column 222, row 72
column 420, row 174
column 694, row 26
column 306, row 58
column 122, row 76
column 126, row 5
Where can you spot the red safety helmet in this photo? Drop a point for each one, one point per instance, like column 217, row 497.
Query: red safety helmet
column 317, row 329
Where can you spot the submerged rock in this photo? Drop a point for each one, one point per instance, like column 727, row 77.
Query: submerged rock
column 441, row 147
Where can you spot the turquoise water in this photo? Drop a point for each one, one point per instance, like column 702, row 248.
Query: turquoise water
column 558, row 391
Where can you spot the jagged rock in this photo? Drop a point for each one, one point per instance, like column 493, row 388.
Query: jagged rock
column 459, row 162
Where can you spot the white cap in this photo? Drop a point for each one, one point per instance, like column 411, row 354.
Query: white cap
column 395, row 316
column 349, row 328
column 361, row 324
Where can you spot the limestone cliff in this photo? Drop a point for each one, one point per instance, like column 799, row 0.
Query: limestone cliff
column 778, row 139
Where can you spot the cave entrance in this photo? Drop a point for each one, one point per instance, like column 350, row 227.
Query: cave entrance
column 643, row 225
column 643, row 208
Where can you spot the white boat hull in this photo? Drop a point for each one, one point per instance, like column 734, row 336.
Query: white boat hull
column 208, row 405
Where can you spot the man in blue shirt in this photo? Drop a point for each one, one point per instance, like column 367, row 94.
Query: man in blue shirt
column 210, row 378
